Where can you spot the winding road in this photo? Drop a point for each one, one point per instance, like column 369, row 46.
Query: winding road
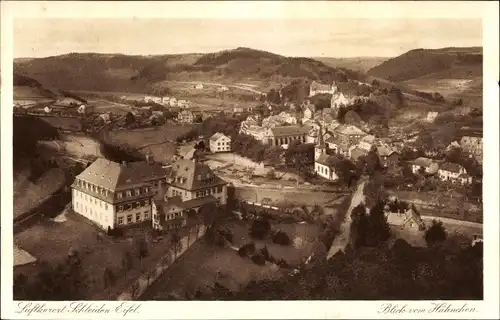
column 342, row 240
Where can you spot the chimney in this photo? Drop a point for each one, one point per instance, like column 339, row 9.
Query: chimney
column 124, row 163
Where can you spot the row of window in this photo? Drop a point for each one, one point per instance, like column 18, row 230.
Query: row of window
column 209, row 191
column 173, row 215
column 84, row 196
column 222, row 143
column 134, row 205
column 223, row 148
column 176, row 192
column 91, row 187
column 121, row 220
column 135, row 192
column 91, row 212
column 322, row 169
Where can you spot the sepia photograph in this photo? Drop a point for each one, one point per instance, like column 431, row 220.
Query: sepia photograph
column 207, row 159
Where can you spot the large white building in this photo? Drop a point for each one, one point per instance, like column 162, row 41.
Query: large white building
column 114, row 195
column 220, row 143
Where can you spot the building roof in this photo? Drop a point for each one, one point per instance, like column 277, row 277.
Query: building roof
column 451, row 167
column 217, row 136
column 423, row 162
column 192, row 175
column 368, row 139
column 349, row 130
column 114, row 176
column 326, row 160
column 290, row 130
column 357, row 152
column 198, row 202
column 385, row 151
column 471, row 140
column 343, row 144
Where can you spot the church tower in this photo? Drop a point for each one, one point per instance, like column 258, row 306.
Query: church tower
column 320, row 147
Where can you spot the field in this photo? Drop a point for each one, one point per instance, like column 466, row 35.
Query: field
column 160, row 141
column 202, row 265
column 100, row 106
column 304, row 238
column 294, row 196
column 78, row 146
column 28, row 195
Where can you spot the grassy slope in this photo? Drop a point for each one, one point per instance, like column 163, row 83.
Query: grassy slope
column 361, row 64
column 455, row 63
column 104, row 72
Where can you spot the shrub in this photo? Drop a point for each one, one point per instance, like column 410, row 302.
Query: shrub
column 259, row 259
column 265, row 253
column 282, row 263
column 436, row 233
column 281, row 238
column 247, row 249
column 260, row 228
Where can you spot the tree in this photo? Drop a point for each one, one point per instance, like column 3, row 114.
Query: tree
column 209, row 213
column 435, row 234
column 346, row 170
column 109, row 278
column 149, row 275
column 317, row 211
column 379, row 230
column 141, row 247
column 127, row 262
column 260, row 228
column 281, row 238
column 134, row 290
column 190, row 223
column 175, row 241
column 129, row 118
column 373, row 162
column 247, row 249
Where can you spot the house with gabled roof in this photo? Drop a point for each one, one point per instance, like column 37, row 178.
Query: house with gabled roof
column 324, row 164
column 172, row 213
column 409, row 220
column 473, row 145
column 219, row 142
column 191, row 179
column 453, row 172
column 388, row 156
column 424, row 164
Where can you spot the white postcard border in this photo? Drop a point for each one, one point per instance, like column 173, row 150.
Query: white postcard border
column 488, row 11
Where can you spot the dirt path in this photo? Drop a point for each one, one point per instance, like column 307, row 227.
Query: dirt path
column 342, row 240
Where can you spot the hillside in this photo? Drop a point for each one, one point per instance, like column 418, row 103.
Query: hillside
column 360, row 64
column 435, row 64
column 114, row 72
column 26, row 88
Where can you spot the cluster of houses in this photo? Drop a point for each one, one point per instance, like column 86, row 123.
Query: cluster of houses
column 115, row 195
column 168, row 101
column 333, row 139
column 65, row 107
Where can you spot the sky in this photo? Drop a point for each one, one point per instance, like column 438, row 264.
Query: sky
column 290, row 37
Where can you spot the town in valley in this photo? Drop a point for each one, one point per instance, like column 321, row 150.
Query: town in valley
column 247, row 173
